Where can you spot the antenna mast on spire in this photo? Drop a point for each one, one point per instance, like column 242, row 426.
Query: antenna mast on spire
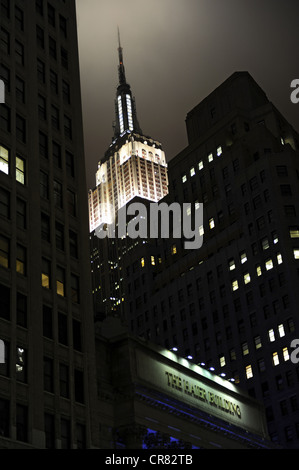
column 122, row 76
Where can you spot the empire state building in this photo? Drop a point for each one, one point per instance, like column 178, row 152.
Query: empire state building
column 133, row 166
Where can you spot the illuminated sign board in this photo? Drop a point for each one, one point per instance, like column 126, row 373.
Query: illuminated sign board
column 204, row 390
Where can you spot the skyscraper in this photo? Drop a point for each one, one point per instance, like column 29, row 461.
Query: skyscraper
column 133, row 166
column 232, row 304
column 46, row 321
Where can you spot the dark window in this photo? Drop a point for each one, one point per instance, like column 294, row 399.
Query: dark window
column 79, row 386
column 22, row 423
column 4, row 203
column 62, row 329
column 21, row 310
column 47, row 322
column 4, row 417
column 48, row 375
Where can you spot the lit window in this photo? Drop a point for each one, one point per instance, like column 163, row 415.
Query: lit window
column 153, row 262
column 235, row 285
column 245, row 349
column 281, row 331
column 20, row 170
column 271, row 335
column 130, row 115
column 246, row 278
column 21, row 260
column 265, row 244
column 192, row 172
column 285, row 354
column 173, row 250
column 243, row 257
column 219, row 151
column 4, row 160
column 275, row 359
column 257, row 342
column 120, row 114
column 200, row 165
column 231, row 264
column 249, row 373
column 222, row 361
column 188, row 210
column 142, row 262
column 279, row 258
column 294, row 231
column 275, row 238
column 258, row 271
column 296, row 253
column 269, row 264
column 46, row 268
column 184, row 178
column 197, row 205
column 210, row 157
column 212, row 223
column 60, row 281
column 201, row 230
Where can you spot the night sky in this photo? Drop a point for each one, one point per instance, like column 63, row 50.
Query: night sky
column 176, row 52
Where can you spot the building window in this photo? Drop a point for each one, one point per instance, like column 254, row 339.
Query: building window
column 75, row 289
column 20, row 170
column 62, row 329
column 271, row 335
column 173, row 250
column 211, row 223
column 44, row 185
column 21, row 260
column 20, row 90
column 275, row 359
column 4, row 160
column 50, row 431
column 59, row 233
column 65, row 434
column 249, row 372
column 60, row 281
column 47, row 322
column 70, row 164
column 79, row 386
column 71, row 203
column 296, row 253
column 4, row 251
column 20, row 56
column 46, row 274
column 22, row 423
column 68, row 127
column 58, row 197
column 21, row 128
column 73, row 239
column 48, row 375
column 64, row 380
column 21, row 310
column 245, row 349
column 41, row 71
column 235, row 285
column 246, row 278
column 4, row 203
column 257, row 342
column 285, row 354
column 21, row 364
column 77, row 337
column 269, row 264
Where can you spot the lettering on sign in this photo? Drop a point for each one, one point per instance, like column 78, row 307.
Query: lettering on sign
column 192, row 389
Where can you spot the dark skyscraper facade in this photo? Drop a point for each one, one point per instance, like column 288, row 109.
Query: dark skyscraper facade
column 232, row 304
column 46, row 319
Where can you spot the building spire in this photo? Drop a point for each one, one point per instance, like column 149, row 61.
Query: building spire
column 126, row 117
column 121, row 69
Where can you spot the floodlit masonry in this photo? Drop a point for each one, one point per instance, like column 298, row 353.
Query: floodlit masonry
column 147, row 222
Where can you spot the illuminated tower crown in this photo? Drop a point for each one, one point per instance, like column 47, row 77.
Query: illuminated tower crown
column 134, row 164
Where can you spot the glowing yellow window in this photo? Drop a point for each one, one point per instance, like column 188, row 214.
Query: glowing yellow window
column 235, row 285
column 211, row 223
column 275, row 359
column 173, row 250
column 258, row 271
column 249, row 373
column 285, row 354
column 153, row 262
column 269, row 264
column 247, row 278
column 142, row 262
column 296, row 253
